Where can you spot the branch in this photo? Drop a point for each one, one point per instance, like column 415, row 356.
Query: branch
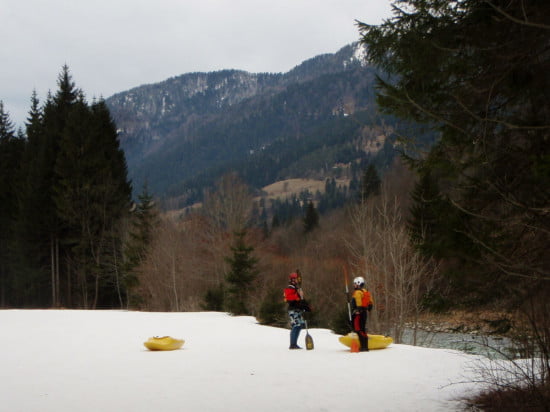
column 498, row 121
column 516, row 203
column 524, row 22
column 432, row 114
column 507, row 265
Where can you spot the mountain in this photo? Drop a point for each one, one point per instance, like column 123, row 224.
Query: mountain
column 180, row 135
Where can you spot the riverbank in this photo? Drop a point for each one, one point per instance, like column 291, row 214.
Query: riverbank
column 480, row 322
column 486, row 333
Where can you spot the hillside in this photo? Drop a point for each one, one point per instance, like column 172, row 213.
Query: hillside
column 317, row 121
column 286, row 188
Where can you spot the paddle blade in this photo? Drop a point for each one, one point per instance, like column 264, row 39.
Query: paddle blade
column 309, row 342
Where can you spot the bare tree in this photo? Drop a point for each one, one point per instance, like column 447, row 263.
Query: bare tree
column 228, row 207
column 397, row 276
column 187, row 256
column 226, row 210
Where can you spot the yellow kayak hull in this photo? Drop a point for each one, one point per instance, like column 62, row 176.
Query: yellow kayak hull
column 163, row 343
column 375, row 341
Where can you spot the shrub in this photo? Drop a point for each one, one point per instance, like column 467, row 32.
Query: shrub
column 272, row 310
column 214, row 299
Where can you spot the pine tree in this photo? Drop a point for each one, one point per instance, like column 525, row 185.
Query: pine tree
column 143, row 221
column 275, row 222
column 11, row 150
column 430, row 234
column 478, row 77
column 272, row 311
column 241, row 275
column 32, row 252
column 370, row 184
column 73, row 199
column 311, row 218
column 7, row 130
column 92, row 195
column 50, row 235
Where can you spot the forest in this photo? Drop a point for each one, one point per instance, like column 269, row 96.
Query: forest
column 65, row 198
column 465, row 224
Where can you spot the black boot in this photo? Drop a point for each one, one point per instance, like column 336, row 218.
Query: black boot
column 364, row 342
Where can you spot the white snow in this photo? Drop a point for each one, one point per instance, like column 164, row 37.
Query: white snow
column 77, row 360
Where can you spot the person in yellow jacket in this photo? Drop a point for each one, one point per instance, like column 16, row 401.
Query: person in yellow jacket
column 361, row 303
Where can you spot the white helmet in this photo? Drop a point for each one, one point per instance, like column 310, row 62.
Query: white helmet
column 359, row 281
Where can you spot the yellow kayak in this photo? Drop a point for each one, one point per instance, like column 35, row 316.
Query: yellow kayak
column 163, row 343
column 375, row 341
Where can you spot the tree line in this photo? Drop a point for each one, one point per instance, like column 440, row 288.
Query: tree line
column 65, row 204
column 72, row 236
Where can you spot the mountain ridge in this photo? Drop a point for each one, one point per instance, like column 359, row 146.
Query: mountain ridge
column 181, row 133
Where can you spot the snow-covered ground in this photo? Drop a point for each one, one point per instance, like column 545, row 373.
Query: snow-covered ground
column 72, row 360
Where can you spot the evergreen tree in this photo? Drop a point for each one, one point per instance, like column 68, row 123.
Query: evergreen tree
column 275, row 222
column 353, row 187
column 241, row 275
column 143, row 220
column 48, row 236
column 214, row 299
column 32, row 251
column 272, row 311
column 370, row 184
column 311, row 218
column 11, row 150
column 7, row 130
column 34, row 124
column 476, row 72
column 92, row 195
column 432, row 235
column 73, row 197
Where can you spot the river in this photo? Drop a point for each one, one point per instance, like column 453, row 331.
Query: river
column 493, row 347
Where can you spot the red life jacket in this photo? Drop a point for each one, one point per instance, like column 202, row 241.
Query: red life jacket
column 291, row 294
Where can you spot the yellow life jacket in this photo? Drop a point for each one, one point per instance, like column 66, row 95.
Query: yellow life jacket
column 362, row 298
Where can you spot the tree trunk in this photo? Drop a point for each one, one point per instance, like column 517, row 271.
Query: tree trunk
column 52, row 270
column 174, row 288
column 57, row 281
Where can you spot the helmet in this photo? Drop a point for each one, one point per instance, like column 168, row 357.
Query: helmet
column 293, row 276
column 359, row 281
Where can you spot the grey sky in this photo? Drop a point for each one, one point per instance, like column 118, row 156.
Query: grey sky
column 115, row 45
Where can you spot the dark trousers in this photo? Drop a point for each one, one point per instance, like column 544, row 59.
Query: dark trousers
column 359, row 321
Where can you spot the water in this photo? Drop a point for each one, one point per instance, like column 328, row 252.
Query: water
column 493, row 347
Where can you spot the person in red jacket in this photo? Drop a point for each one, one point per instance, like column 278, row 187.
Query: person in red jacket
column 361, row 303
column 294, row 297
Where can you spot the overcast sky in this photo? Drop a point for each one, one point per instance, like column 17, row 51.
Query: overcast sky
column 114, row 45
